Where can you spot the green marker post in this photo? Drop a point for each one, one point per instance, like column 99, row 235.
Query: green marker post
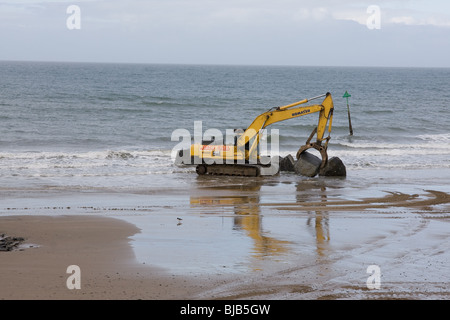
column 347, row 95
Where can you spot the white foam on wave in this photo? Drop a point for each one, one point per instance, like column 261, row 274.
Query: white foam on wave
column 421, row 151
column 418, row 152
column 441, row 137
column 377, row 146
column 89, row 163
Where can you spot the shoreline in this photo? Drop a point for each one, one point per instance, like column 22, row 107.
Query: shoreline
column 98, row 245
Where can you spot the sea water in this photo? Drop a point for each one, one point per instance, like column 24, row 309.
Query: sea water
column 106, row 125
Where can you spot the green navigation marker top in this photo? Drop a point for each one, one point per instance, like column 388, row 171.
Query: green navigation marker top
column 346, row 95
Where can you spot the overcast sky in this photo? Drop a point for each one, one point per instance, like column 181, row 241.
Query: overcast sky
column 256, row 32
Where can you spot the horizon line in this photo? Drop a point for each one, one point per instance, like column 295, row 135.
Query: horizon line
column 221, row 64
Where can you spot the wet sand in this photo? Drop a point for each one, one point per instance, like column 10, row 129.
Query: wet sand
column 319, row 246
column 99, row 246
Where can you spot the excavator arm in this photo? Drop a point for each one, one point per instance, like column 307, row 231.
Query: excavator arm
column 288, row 112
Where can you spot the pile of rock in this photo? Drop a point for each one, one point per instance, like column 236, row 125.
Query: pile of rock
column 9, row 243
column 309, row 165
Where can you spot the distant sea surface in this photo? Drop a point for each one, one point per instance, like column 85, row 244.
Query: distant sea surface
column 110, row 125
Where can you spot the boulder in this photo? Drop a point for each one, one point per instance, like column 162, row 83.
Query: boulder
column 287, row 163
column 308, row 165
column 334, row 168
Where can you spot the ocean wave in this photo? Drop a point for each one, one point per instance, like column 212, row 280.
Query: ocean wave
column 432, row 144
column 411, row 154
column 90, row 163
column 361, row 165
column 440, row 137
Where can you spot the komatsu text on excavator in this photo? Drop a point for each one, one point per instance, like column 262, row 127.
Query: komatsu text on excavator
column 243, row 158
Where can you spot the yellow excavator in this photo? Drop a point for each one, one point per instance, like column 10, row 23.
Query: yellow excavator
column 243, row 159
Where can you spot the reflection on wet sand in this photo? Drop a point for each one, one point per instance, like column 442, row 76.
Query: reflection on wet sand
column 244, row 199
column 341, row 232
column 249, row 202
column 318, row 219
column 248, row 218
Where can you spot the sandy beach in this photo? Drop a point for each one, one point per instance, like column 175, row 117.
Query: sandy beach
column 98, row 245
column 235, row 242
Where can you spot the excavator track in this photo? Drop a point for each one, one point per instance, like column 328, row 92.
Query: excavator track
column 242, row 170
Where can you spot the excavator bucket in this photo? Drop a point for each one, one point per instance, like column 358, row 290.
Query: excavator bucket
column 315, row 145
